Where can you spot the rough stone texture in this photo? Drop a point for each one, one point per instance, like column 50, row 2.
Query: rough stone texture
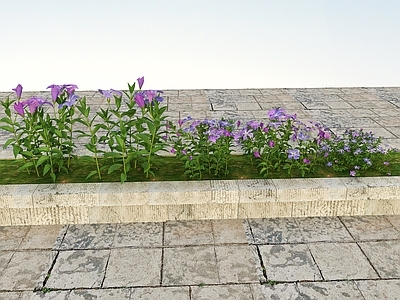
column 384, row 256
column 109, row 294
column 289, row 262
column 11, row 237
column 189, row 266
column 188, row 233
column 275, row 231
column 175, row 293
column 139, row 235
column 320, row 229
column 229, row 231
column 133, row 267
column 40, row 237
column 351, row 265
column 229, row 292
column 78, row 269
column 382, row 289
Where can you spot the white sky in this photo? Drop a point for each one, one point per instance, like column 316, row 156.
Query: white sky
column 199, row 44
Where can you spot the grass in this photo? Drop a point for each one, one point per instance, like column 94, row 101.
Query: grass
column 171, row 169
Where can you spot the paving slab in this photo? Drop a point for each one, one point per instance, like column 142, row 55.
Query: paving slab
column 379, row 289
column 5, row 257
column 329, row 290
column 11, row 236
column 229, row 231
column 228, row 292
column 15, row 295
column 139, row 235
column 89, row 236
column 395, row 221
column 236, row 264
column 78, row 269
column 51, row 295
column 285, row 291
column 133, row 267
column 25, row 270
column 189, row 266
column 275, row 231
column 342, row 261
column 178, row 233
column 109, row 294
column 320, row 229
column 175, row 293
column 289, row 262
column 384, row 256
column 40, row 237
column 370, row 228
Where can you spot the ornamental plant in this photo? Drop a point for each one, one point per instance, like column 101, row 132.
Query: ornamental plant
column 132, row 128
column 355, row 151
column 283, row 143
column 203, row 146
column 41, row 130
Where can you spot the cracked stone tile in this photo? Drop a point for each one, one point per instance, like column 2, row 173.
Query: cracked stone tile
column 11, row 236
column 341, row 261
column 89, row 236
column 138, row 235
column 78, row 269
column 5, row 257
column 320, row 229
column 384, row 256
column 41, row 237
column 370, row 228
column 188, row 233
column 395, row 221
column 229, row 231
column 329, row 290
column 233, row 292
column 52, row 295
column 175, row 293
column 24, row 270
column 275, row 231
column 379, row 289
column 15, row 295
column 133, row 267
column 190, row 266
column 236, row 264
column 109, row 294
column 290, row 262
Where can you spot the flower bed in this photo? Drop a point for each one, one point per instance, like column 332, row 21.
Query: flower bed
column 132, row 131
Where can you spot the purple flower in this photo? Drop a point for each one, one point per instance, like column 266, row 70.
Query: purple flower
column 293, row 154
column 139, row 99
column 70, row 88
column 306, row 161
column 70, row 101
column 386, row 163
column 109, row 93
column 140, row 81
column 34, row 102
column 55, row 92
column 257, row 154
column 271, row 144
column 367, row 161
column 18, row 91
column 358, row 151
column 150, row 95
column 329, row 164
column 173, row 150
column 356, row 167
column 184, row 152
column 19, row 108
column 352, row 173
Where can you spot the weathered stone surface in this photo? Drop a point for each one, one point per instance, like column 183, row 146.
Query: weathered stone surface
column 275, row 231
column 78, row 269
column 41, row 237
column 189, row 266
column 370, row 228
column 384, row 256
column 289, row 262
column 236, row 264
column 16, row 296
column 286, row 291
column 319, row 229
column 139, row 235
column 52, row 295
column 229, row 292
column 329, row 290
column 188, row 233
column 395, row 221
column 109, row 294
column 175, row 293
column 265, row 210
column 21, row 275
column 89, row 236
column 11, row 236
column 341, row 261
column 133, row 267
column 229, row 231
column 379, row 289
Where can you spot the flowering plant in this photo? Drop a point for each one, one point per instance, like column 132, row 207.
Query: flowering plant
column 283, row 143
column 204, row 146
column 42, row 136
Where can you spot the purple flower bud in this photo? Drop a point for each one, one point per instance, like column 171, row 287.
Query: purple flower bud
column 352, row 173
column 139, row 99
column 18, row 91
column 257, row 154
column 306, row 161
column 140, row 81
column 19, row 108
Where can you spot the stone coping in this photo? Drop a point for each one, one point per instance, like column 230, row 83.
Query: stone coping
column 82, row 203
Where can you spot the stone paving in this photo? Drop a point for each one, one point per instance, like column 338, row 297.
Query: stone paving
column 283, row 258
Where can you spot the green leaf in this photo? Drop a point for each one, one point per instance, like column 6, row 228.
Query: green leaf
column 7, row 128
column 6, row 120
column 42, row 159
column 53, row 176
column 46, row 169
column 26, row 166
column 43, row 149
column 16, row 150
column 114, row 167
column 123, row 177
column 112, row 154
column 146, row 166
column 91, row 174
column 87, row 158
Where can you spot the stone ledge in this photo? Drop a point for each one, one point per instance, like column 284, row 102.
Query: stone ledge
column 45, row 204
